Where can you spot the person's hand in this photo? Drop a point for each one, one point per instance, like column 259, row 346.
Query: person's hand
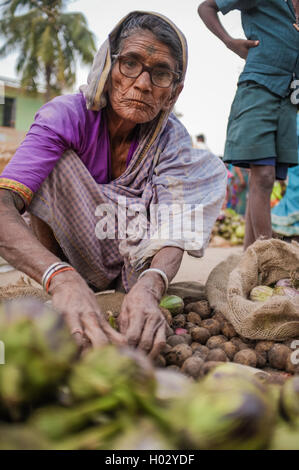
column 141, row 320
column 72, row 297
column 241, row 46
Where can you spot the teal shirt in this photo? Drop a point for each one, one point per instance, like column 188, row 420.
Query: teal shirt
column 275, row 62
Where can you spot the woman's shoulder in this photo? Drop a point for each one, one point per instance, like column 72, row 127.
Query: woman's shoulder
column 70, row 105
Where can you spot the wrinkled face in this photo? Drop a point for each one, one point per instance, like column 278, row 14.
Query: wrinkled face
column 136, row 99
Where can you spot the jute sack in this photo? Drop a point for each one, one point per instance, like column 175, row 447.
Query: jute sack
column 229, row 285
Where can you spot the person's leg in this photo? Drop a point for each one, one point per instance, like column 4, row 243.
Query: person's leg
column 249, row 233
column 45, row 235
column 262, row 178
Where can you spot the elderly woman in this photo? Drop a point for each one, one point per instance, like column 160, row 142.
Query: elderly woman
column 89, row 162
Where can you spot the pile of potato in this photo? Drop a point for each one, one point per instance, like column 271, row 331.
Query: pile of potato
column 198, row 337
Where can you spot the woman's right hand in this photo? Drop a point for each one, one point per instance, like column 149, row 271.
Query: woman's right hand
column 72, row 297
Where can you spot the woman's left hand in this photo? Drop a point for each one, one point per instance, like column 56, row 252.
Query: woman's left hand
column 141, row 320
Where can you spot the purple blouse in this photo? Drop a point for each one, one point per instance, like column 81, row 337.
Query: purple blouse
column 62, row 124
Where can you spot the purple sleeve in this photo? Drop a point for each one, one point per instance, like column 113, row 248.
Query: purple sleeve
column 57, row 127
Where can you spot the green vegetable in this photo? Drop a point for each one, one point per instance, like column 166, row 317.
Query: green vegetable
column 285, row 438
column 227, row 411
column 290, row 399
column 173, row 303
column 38, row 349
column 124, row 373
column 261, row 293
column 56, row 422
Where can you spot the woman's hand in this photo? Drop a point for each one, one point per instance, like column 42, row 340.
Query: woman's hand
column 241, row 46
column 77, row 303
column 141, row 320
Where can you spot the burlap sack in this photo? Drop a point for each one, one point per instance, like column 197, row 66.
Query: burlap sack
column 229, row 285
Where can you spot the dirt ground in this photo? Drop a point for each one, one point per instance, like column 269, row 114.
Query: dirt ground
column 192, row 269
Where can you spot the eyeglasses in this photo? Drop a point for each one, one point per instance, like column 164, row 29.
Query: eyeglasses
column 132, row 68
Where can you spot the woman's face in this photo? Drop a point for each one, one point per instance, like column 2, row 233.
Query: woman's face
column 136, row 99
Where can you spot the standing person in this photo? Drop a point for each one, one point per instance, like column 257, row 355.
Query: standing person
column 201, row 142
column 261, row 133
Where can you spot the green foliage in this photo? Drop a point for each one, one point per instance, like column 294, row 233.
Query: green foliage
column 49, row 42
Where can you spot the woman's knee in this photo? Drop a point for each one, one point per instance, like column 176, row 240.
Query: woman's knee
column 45, row 235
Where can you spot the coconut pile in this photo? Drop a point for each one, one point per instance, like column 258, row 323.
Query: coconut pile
column 199, row 338
column 229, row 229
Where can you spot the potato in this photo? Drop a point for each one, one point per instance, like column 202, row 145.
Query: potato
column 176, row 339
column 179, row 354
column 167, row 315
column 201, row 351
column 212, row 325
column 239, row 343
column 193, row 317
column 247, row 357
column 169, row 331
column 228, row 330
column 201, row 307
column 219, row 317
column 264, row 346
column 188, row 339
column 189, row 325
column 199, row 334
column 178, row 321
column 216, row 341
column 216, row 354
column 290, row 367
column 278, row 356
column 261, row 359
column 193, row 366
column 230, row 349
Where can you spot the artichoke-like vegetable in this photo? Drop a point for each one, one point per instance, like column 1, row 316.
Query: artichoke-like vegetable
column 143, row 435
column 124, row 373
column 232, row 412
column 261, row 293
column 286, row 291
column 38, row 350
column 284, row 283
column 170, row 384
column 21, row 437
column 290, row 399
column 173, row 303
column 56, row 422
column 285, row 438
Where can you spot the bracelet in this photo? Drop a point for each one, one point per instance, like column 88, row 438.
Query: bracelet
column 48, row 271
column 159, row 271
column 61, row 270
column 51, row 270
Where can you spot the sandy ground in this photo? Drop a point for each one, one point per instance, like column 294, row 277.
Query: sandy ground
column 192, row 269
